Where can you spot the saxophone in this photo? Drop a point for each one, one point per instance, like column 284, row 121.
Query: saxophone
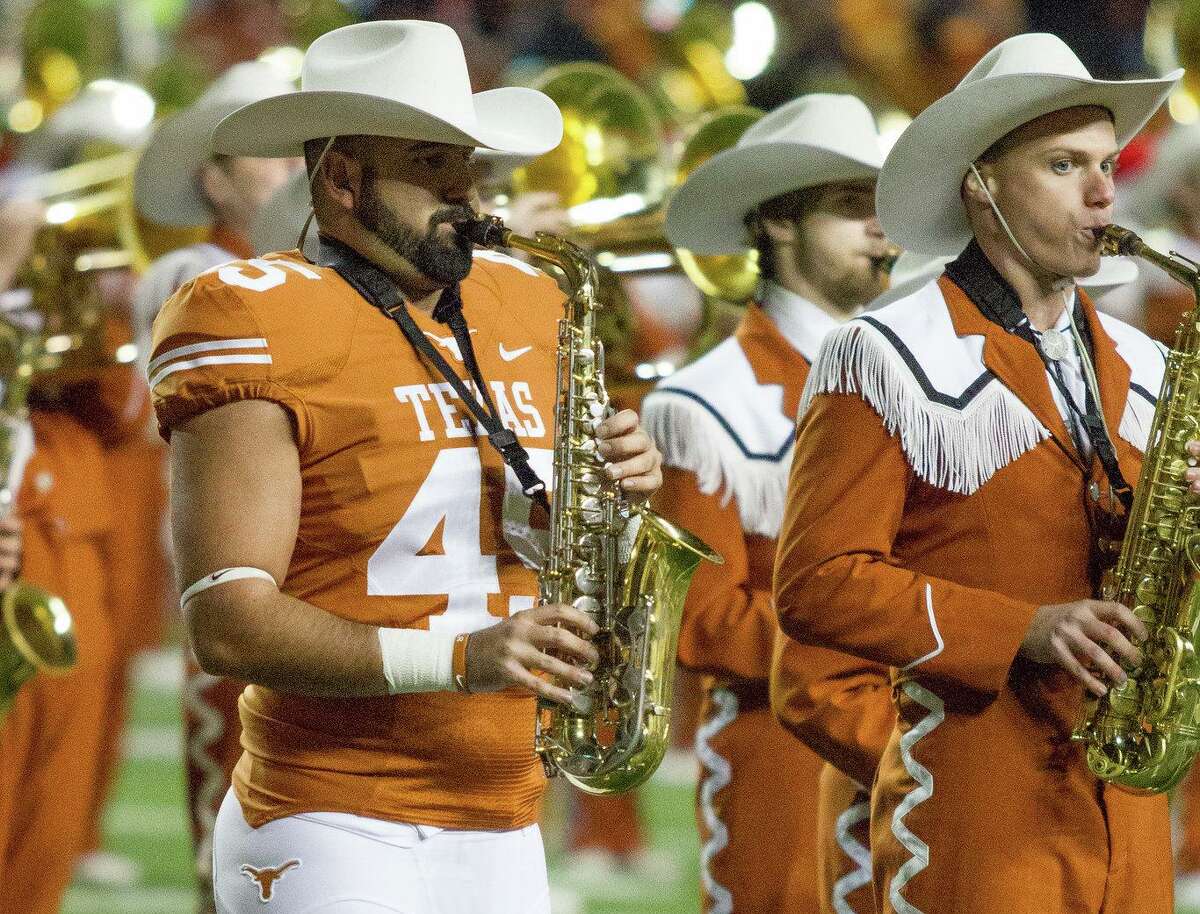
column 36, row 631
column 1143, row 735
column 623, row 565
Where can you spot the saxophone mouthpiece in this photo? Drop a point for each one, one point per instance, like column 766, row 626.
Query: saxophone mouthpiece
column 485, row 231
column 1116, row 242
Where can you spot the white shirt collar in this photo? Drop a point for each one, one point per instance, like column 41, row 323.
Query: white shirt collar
column 802, row 323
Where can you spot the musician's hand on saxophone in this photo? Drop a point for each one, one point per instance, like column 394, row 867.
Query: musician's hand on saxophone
column 1193, row 475
column 630, row 456
column 551, row 639
column 10, row 551
column 1090, row 639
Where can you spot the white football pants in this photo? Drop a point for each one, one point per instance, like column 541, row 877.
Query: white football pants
column 336, row 863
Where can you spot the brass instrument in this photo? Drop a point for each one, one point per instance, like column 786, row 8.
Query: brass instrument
column 616, row 736
column 36, row 631
column 89, row 226
column 1143, row 735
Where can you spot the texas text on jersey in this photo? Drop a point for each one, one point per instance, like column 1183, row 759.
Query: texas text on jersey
column 405, row 521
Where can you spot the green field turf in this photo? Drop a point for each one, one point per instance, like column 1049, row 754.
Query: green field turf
column 147, row 821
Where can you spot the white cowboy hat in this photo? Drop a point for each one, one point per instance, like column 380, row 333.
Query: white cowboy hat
column 912, row 271
column 1177, row 153
column 164, row 185
column 1022, row 78
column 814, row 139
column 405, row 79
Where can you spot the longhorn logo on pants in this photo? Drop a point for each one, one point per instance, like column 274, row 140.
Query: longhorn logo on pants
column 267, row 876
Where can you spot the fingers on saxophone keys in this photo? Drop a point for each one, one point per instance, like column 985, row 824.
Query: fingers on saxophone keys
column 567, row 645
column 617, row 425
column 564, row 673
column 543, row 688
column 1071, row 664
column 579, row 622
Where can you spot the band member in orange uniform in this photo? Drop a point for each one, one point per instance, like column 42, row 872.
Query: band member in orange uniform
column 798, row 186
column 956, row 464
column 348, row 540
column 180, row 182
column 54, row 731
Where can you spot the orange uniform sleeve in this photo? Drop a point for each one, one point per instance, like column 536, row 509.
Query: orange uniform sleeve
column 220, row 339
column 837, row 582
column 729, row 621
column 837, row 705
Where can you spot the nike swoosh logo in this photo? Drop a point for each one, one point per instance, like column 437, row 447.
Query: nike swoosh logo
column 515, row 354
column 216, row 575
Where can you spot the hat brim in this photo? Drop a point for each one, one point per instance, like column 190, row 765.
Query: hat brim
column 918, row 194
column 706, row 214
column 512, row 120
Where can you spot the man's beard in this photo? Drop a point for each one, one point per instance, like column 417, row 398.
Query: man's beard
column 444, row 261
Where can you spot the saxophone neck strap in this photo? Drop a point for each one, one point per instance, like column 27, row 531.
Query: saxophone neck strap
column 375, row 286
column 998, row 302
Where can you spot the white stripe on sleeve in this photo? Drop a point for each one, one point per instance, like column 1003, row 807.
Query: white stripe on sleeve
column 209, row 360
column 180, row 351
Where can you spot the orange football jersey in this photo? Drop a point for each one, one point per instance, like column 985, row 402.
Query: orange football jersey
column 408, row 518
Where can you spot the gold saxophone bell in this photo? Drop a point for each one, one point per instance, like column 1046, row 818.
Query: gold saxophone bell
column 37, row 635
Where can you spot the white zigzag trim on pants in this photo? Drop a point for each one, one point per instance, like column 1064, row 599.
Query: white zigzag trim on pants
column 919, row 794
column 718, row 772
column 210, row 727
column 854, row 849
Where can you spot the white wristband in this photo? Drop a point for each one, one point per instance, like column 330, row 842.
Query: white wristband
column 223, row 576
column 415, row 660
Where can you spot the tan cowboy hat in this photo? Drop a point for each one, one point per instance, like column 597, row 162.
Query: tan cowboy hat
column 164, row 185
column 405, row 79
column 912, row 271
column 1022, row 78
column 814, row 139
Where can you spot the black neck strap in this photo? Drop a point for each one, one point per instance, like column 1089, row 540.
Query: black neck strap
column 375, row 286
column 996, row 300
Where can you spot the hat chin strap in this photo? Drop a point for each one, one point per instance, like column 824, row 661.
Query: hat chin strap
column 1063, row 281
column 312, row 187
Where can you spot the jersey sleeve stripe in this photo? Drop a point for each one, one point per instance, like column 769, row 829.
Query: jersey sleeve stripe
column 209, row 346
column 246, row 359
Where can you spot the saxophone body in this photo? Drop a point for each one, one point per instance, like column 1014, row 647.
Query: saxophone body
column 1143, row 735
column 36, row 631
column 623, row 565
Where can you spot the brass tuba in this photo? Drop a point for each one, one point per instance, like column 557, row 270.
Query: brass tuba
column 623, row 565
column 1143, row 735
column 36, row 631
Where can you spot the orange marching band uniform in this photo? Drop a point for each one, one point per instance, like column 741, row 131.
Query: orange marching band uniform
column 934, row 504
column 57, row 728
column 725, row 425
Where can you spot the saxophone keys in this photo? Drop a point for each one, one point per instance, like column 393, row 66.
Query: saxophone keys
column 590, row 510
column 585, row 581
column 587, row 604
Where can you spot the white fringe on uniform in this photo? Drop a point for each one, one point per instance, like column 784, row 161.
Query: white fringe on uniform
column 906, row 361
